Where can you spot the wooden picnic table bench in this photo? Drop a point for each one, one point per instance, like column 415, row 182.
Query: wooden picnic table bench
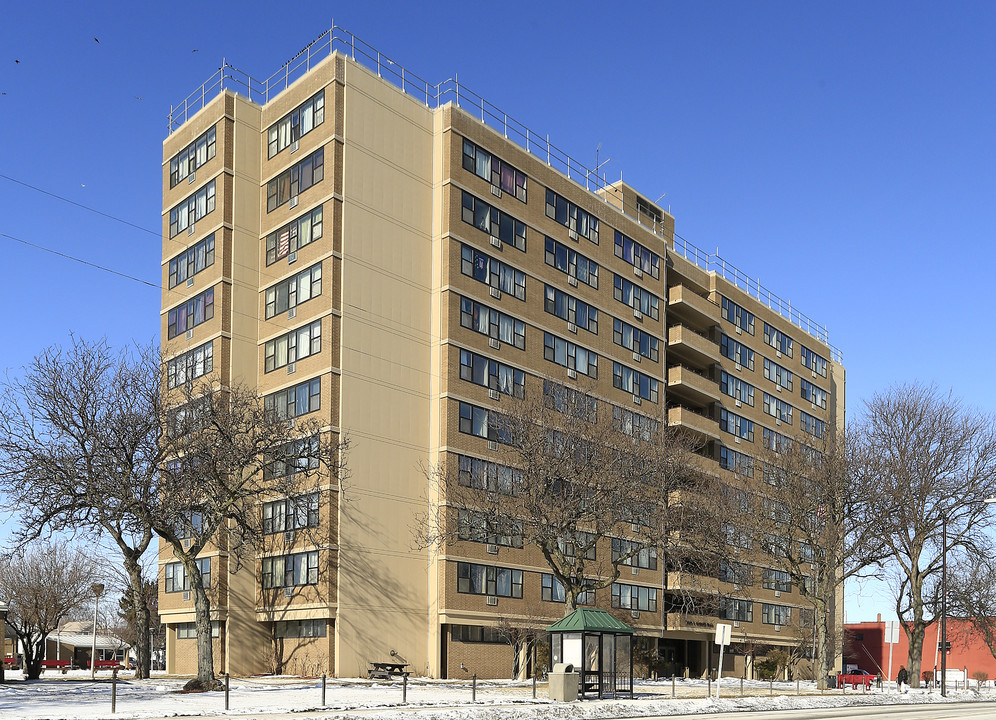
column 387, row 670
column 107, row 665
column 56, row 665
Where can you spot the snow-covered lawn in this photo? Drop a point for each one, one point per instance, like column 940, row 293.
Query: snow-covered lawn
column 73, row 696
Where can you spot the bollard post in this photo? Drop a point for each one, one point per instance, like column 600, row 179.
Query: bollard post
column 473, row 688
column 114, row 691
column 771, row 686
column 741, row 687
column 672, row 686
column 797, row 686
column 404, row 690
column 534, row 685
column 709, row 685
column 323, row 689
column 227, row 687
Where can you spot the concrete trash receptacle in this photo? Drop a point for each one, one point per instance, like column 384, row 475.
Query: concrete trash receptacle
column 563, row 683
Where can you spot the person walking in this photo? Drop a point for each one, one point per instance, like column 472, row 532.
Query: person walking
column 902, row 679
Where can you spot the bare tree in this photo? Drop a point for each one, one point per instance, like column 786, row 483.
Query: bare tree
column 221, row 445
column 927, row 462
column 972, row 596
column 43, row 584
column 79, row 447
column 572, row 474
column 521, row 636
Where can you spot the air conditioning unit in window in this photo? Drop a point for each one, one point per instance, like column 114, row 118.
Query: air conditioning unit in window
column 291, row 368
column 573, row 234
column 190, row 334
column 778, row 593
column 492, row 600
column 190, row 178
column 295, row 145
column 292, row 313
column 291, row 422
column 736, row 440
column 572, row 328
column 736, row 623
column 738, row 330
column 737, row 403
column 634, row 527
column 492, row 549
column 814, row 373
column 190, row 230
column 288, row 592
column 778, row 628
column 493, row 445
column 496, row 191
column 778, row 421
column 186, row 542
column 293, row 202
column 778, row 353
column 634, row 614
column 572, row 281
column 814, row 405
column 778, row 388
column 186, row 596
column 291, row 257
column 494, row 344
column 738, row 366
column 636, row 357
column 496, row 242
column 637, row 271
column 638, row 315
column 289, row 536
column 637, row 400
column 494, row 394
column 572, row 373
column 190, row 282
column 634, row 571
column 495, row 293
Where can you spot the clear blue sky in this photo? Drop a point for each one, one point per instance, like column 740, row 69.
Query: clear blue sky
column 841, row 152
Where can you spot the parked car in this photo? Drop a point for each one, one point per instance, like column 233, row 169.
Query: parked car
column 855, row 678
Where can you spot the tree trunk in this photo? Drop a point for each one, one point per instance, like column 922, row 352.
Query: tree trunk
column 143, row 638
column 916, row 632
column 820, row 642
column 205, row 643
column 34, row 651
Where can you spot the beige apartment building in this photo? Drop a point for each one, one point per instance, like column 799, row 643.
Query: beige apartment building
column 397, row 259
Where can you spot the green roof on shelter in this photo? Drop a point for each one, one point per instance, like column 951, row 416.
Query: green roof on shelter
column 591, row 620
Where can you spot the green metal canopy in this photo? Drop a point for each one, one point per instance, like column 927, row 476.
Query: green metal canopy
column 591, row 620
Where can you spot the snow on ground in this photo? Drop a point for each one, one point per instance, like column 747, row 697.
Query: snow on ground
column 74, row 697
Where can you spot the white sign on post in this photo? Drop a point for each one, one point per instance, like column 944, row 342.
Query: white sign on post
column 724, row 632
column 891, row 637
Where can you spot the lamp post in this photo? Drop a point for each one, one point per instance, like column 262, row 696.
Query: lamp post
column 4, row 608
column 98, row 589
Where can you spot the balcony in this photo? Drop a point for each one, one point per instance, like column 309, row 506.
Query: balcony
column 692, row 347
column 692, row 385
column 704, row 426
column 691, row 308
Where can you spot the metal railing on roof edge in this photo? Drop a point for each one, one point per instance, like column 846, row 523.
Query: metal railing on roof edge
column 228, row 77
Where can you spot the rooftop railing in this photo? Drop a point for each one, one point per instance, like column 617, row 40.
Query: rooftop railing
column 336, row 39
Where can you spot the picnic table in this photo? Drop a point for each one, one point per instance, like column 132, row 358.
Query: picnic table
column 56, row 664
column 387, row 670
column 107, row 665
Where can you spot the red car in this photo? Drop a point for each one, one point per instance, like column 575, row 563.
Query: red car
column 855, row 678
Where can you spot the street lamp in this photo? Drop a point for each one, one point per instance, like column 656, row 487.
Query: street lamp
column 4, row 609
column 98, row 589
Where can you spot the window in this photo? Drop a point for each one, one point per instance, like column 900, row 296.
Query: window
column 736, row 388
column 177, row 579
column 188, row 631
column 496, row 325
column 293, row 457
column 191, row 210
column 300, row 121
column 491, row 374
column 736, row 425
column 572, row 356
column 493, row 273
column 737, row 462
column 635, row 383
column 192, row 157
column 579, row 222
column 635, row 339
column 814, row 394
column 199, row 309
column 191, row 261
column 290, row 570
column 475, row 634
column 295, row 401
column 295, row 180
column 638, row 256
column 481, row 422
column 579, row 539
column 734, row 609
column 294, row 513
column 569, row 308
column 315, row 628
column 639, row 555
column 572, row 263
column 553, row 591
column 190, row 416
column 633, row 424
column 814, row 426
column 816, row 363
column 189, row 526
column 776, row 442
column 776, row 580
column 737, row 352
column 191, row 365
column 488, row 580
column 474, row 527
column 735, row 536
column 775, row 614
column 486, row 475
column 737, row 315
column 494, row 222
column 805, row 552
column 777, row 374
column 565, row 399
column 293, row 291
column 735, row 572
column 777, row 408
column 294, row 235
column 634, row 597
column 636, row 297
column 778, row 340
column 493, row 169
column 295, row 345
